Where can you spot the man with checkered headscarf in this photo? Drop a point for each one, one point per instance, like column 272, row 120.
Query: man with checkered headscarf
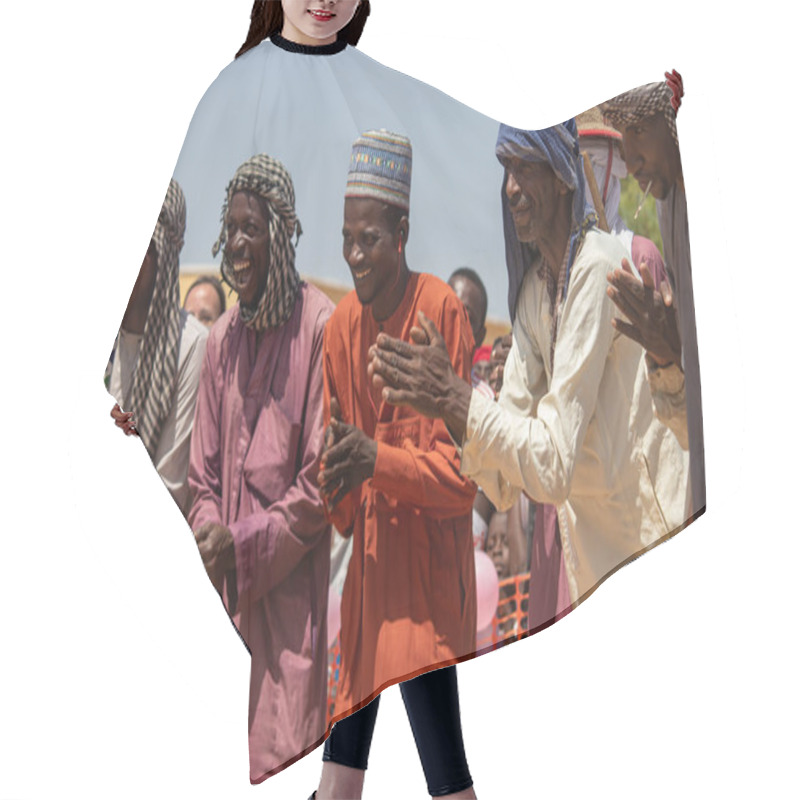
column 256, row 513
column 574, row 414
column 267, row 291
column 156, row 363
column 646, row 119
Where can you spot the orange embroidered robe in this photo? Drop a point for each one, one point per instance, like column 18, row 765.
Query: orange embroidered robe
column 409, row 598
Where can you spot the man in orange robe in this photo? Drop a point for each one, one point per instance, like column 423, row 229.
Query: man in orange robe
column 391, row 477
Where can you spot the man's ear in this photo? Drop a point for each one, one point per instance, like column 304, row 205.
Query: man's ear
column 402, row 229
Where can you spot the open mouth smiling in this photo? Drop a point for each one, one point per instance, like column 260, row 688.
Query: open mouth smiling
column 321, row 16
column 242, row 270
column 363, row 274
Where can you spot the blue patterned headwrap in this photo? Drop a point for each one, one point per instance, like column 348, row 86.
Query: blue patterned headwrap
column 558, row 147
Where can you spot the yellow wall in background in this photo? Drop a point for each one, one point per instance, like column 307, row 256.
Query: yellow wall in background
column 494, row 328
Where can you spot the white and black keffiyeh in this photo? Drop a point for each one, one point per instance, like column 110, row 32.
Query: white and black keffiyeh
column 630, row 107
column 267, row 178
column 153, row 381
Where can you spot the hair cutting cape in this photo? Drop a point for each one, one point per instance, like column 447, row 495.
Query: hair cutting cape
column 594, row 438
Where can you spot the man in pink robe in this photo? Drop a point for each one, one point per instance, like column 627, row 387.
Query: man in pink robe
column 257, row 438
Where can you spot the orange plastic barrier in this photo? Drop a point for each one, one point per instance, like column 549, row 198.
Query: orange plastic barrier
column 511, row 617
column 510, row 621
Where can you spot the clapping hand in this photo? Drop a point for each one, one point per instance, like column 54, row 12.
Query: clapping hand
column 420, row 375
column 348, row 458
column 416, row 374
column 653, row 319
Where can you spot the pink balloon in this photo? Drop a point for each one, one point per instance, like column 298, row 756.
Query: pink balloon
column 488, row 589
column 334, row 615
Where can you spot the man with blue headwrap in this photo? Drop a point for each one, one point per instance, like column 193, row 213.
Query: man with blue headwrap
column 574, row 424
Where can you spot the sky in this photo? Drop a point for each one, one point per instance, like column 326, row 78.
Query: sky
column 455, row 217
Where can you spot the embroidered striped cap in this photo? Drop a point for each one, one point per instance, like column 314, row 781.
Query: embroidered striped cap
column 380, row 168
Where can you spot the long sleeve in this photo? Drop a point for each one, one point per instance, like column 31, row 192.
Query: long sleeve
column 431, row 479
column 524, row 384
column 270, row 543
column 508, row 450
column 343, row 516
column 668, row 387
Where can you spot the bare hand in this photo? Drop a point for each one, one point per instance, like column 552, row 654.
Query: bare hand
column 347, row 460
column 653, row 319
column 124, row 420
column 215, row 543
column 420, row 375
column 330, row 431
column 418, row 336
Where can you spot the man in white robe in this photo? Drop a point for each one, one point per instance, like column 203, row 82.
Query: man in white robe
column 574, row 424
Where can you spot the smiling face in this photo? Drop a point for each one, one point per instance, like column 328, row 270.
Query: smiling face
column 315, row 22
column 533, row 192
column 247, row 248
column 652, row 155
column 371, row 236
